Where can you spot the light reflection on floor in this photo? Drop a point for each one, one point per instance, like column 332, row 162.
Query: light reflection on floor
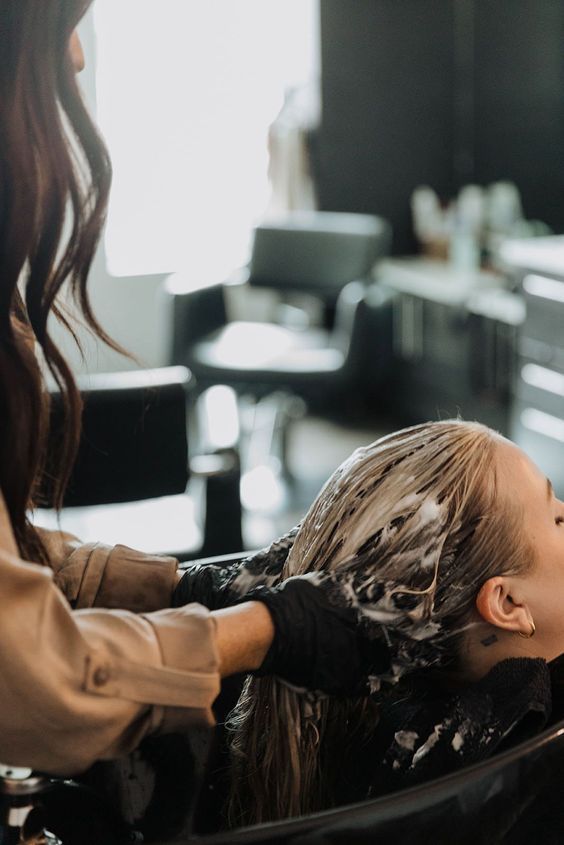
column 317, row 447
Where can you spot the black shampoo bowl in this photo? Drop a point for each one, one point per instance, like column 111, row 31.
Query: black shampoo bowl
column 514, row 798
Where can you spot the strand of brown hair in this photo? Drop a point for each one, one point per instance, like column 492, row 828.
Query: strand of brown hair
column 284, row 770
column 53, row 166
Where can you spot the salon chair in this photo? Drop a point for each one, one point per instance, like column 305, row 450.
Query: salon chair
column 326, row 255
column 315, row 254
column 134, row 481
column 262, row 358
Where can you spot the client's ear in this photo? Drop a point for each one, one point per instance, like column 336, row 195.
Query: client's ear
column 496, row 606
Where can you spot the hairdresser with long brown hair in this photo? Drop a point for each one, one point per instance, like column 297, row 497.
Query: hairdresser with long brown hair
column 90, row 663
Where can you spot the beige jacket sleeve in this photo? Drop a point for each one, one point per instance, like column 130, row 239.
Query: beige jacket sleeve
column 96, row 575
column 78, row 686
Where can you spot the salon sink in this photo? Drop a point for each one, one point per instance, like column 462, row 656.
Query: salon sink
column 514, row 798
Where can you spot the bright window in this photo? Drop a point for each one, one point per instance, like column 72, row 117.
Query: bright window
column 186, row 90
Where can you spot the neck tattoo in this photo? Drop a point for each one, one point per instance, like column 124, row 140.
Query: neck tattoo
column 490, row 640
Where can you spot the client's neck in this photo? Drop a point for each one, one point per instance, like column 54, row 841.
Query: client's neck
column 487, row 645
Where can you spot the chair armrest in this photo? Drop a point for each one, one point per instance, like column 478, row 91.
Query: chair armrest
column 145, row 379
column 214, row 464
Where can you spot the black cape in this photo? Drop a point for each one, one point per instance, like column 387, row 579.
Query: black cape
column 427, row 731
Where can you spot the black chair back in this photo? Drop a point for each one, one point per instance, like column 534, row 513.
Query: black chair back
column 134, row 437
column 317, row 252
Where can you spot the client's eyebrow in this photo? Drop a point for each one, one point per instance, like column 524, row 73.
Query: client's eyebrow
column 549, row 489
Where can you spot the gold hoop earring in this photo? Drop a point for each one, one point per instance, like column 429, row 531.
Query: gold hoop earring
column 528, row 636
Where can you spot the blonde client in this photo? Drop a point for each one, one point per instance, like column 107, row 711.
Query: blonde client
column 449, row 545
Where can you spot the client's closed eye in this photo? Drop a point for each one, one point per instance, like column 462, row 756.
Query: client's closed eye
column 559, row 520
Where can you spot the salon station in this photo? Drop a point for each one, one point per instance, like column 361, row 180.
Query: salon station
column 331, row 274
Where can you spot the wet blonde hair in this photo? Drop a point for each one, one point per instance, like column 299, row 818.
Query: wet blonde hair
column 414, row 524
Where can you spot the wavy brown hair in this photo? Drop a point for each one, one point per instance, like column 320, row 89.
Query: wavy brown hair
column 414, row 524
column 55, row 177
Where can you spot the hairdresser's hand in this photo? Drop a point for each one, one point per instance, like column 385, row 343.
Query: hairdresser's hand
column 318, row 643
column 217, row 586
column 207, row 584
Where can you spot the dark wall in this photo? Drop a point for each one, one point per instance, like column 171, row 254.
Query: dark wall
column 520, row 101
column 440, row 92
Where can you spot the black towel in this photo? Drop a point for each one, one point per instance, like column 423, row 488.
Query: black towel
column 427, row 731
